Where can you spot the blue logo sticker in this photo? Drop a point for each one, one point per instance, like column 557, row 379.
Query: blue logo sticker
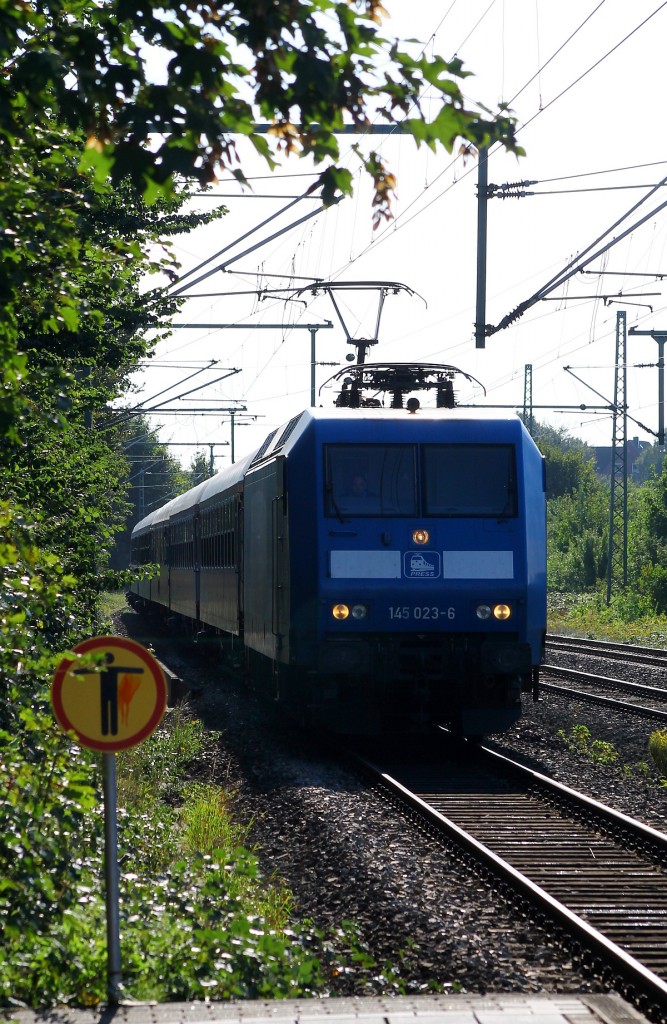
column 421, row 564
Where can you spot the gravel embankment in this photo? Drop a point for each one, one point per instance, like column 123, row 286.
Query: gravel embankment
column 346, row 856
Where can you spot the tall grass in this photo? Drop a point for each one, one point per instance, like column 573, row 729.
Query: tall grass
column 184, row 834
column 111, row 602
column 623, row 620
column 161, row 765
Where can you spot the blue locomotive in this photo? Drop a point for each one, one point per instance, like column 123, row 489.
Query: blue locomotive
column 374, row 569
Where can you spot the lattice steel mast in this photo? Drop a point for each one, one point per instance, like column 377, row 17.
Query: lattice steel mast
column 617, row 562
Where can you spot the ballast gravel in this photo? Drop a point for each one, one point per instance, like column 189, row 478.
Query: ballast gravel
column 404, row 915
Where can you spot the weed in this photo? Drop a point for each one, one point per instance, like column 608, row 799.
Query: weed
column 601, row 752
column 580, row 741
column 197, row 919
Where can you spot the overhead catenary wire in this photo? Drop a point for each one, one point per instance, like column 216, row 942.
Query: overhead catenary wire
column 597, row 63
column 135, row 410
column 579, row 263
column 407, row 220
column 231, row 245
column 391, row 228
column 395, row 225
column 145, row 408
column 253, row 248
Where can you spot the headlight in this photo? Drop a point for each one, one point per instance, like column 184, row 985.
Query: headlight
column 502, row 612
column 420, row 536
column 343, row 611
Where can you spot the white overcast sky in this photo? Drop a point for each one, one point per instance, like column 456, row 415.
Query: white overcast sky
column 586, row 81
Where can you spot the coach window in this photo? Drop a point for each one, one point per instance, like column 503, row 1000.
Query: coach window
column 469, row 480
column 141, row 549
column 177, row 545
column 370, row 480
column 157, row 546
column 216, row 538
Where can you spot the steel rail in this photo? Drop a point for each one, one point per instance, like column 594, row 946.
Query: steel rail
column 608, row 649
column 641, row 689
column 639, row 984
column 612, row 702
column 616, row 818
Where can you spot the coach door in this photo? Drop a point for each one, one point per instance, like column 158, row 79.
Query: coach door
column 280, row 564
column 265, row 567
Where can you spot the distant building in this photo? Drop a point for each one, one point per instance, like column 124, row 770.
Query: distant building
column 603, row 456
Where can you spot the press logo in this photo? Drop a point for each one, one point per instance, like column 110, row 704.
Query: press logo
column 421, row 564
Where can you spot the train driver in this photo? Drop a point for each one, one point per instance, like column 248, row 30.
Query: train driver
column 357, row 497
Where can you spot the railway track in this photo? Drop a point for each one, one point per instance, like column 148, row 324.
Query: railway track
column 655, row 706
column 655, row 656
column 600, row 876
column 645, row 699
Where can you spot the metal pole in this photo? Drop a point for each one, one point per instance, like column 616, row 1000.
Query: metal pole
column 617, row 560
column 661, row 338
column 111, row 872
column 528, row 397
column 231, row 419
column 661, row 388
column 482, row 201
column 313, row 335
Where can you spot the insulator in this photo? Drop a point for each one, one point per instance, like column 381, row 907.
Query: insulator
column 446, row 398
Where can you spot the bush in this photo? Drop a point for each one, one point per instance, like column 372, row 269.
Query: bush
column 653, row 586
column 657, row 748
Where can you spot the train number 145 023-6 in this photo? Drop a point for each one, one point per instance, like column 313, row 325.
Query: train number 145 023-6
column 421, row 612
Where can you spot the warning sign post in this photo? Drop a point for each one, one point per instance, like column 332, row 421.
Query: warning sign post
column 111, row 694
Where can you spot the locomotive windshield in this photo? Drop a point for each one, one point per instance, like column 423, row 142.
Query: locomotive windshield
column 456, row 480
column 469, row 480
column 371, row 480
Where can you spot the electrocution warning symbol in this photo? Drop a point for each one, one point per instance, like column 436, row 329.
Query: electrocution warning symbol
column 112, row 695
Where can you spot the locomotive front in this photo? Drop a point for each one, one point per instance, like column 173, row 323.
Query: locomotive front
column 427, row 598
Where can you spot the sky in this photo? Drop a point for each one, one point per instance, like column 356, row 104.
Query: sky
column 585, row 83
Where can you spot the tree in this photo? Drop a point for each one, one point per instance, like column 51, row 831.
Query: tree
column 77, row 307
column 577, row 512
column 568, row 471
column 200, row 468
column 647, row 541
column 649, row 463
column 152, row 477
column 569, row 461
column 82, row 326
column 577, row 532
column 306, row 68
column 76, row 89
